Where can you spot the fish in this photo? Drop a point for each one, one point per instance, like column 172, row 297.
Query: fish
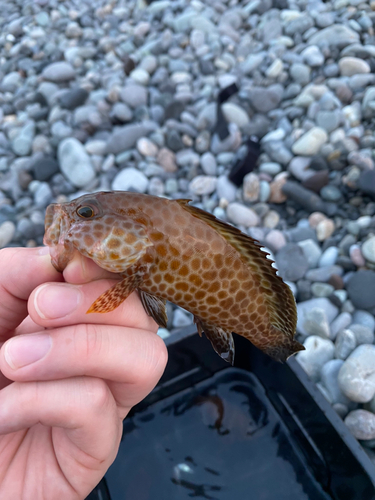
column 171, row 250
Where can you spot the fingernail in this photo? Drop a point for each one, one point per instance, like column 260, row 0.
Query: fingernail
column 26, row 349
column 57, row 300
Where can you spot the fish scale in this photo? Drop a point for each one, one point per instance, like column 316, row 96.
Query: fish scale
column 170, row 250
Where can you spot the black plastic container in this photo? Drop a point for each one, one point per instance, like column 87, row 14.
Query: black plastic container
column 257, row 431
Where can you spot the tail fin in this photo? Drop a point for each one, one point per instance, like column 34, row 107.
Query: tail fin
column 284, row 348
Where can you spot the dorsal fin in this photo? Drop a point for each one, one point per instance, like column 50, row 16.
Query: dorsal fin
column 281, row 301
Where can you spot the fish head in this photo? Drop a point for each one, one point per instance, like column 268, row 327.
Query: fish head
column 95, row 230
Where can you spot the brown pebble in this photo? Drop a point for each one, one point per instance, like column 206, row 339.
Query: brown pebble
column 24, row 179
column 336, row 281
column 316, row 181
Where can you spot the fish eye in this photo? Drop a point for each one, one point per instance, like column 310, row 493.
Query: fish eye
column 85, row 212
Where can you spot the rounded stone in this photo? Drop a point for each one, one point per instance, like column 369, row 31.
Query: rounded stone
column 368, row 249
column 311, row 142
column 361, row 289
column 350, row 66
column 291, row 262
column 7, row 230
column 75, row 163
column 146, row 147
column 357, row 375
column 345, row 344
column 241, row 215
column 202, row 185
column 318, row 352
column 59, row 72
column 361, row 424
column 130, row 179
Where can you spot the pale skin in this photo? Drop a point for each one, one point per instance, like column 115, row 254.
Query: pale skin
column 67, row 379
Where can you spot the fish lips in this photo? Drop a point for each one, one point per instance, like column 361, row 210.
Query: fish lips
column 56, row 228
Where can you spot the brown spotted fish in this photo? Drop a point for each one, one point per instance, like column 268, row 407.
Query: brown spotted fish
column 170, row 250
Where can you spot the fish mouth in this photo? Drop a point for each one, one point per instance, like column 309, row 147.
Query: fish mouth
column 55, row 237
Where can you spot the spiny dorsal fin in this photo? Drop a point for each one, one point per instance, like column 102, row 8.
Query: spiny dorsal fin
column 281, row 301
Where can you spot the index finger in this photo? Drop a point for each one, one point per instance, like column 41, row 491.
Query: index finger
column 21, row 270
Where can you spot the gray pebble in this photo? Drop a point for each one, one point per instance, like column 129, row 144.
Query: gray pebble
column 7, row 230
column 361, row 424
column 363, row 334
column 291, row 262
column 342, row 321
column 357, row 375
column 329, row 257
column 318, row 352
column 59, row 72
column 303, row 308
column 323, row 273
column 241, row 215
column 329, row 375
column 345, row 344
column 311, row 251
column 75, row 163
column 364, row 318
column 361, row 289
column 208, row 163
column 130, row 179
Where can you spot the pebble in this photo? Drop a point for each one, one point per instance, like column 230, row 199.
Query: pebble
column 241, row 215
column 363, row 334
column 125, row 137
column 181, row 318
column 251, row 187
column 329, row 376
column 342, row 321
column 208, row 163
column 203, row 185
column 345, row 344
column 45, row 168
column 337, row 35
column 350, row 66
column 226, row 189
column 167, row 159
column 361, row 289
column 59, row 72
column 357, row 375
column 325, row 229
column 368, row 249
column 364, row 318
column 130, row 179
column 311, row 251
column 291, row 262
column 134, row 95
column 73, row 98
column 323, row 274
column 329, row 257
column 7, row 230
column 122, row 112
column 22, row 143
column 147, row 147
column 75, row 163
column 311, row 142
column 318, row 352
column 303, row 308
column 316, row 323
column 361, row 424
column 234, row 113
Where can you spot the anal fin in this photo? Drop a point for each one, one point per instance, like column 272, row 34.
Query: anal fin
column 112, row 298
column 154, row 307
column 221, row 340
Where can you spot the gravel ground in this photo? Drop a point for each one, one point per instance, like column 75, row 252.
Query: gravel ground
column 123, row 95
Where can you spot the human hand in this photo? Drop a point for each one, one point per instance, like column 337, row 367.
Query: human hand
column 70, row 379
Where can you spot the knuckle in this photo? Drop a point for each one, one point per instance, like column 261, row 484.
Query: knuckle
column 153, row 362
column 98, row 394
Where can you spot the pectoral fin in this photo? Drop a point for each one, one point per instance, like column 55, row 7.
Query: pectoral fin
column 221, row 340
column 154, row 307
column 112, row 298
